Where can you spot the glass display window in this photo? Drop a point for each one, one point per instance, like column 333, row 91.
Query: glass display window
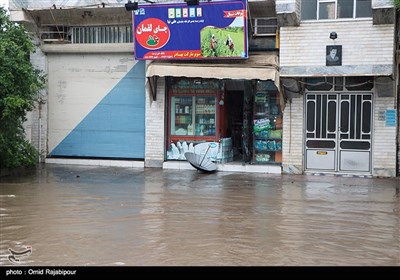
column 201, row 121
column 193, row 110
column 182, row 115
column 205, row 117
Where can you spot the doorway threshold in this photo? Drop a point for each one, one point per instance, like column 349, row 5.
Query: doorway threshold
column 338, row 174
column 97, row 162
column 228, row 167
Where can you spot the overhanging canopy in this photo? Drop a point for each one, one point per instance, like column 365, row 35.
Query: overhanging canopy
column 259, row 66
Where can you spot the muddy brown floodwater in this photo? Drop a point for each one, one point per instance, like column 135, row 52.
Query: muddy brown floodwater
column 102, row 216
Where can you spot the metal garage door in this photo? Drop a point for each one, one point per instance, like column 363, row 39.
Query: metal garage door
column 96, row 106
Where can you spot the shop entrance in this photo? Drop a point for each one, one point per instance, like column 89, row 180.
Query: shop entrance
column 234, row 106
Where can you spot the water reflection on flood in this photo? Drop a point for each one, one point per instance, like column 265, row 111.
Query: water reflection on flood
column 72, row 215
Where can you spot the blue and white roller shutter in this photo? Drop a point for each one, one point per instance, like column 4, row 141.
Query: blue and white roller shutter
column 96, row 106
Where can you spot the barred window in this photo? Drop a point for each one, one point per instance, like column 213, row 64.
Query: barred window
column 264, row 26
column 102, row 34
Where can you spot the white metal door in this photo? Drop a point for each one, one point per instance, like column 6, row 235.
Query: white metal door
column 338, row 132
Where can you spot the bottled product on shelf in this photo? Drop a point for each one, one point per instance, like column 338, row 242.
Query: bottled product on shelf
column 267, row 129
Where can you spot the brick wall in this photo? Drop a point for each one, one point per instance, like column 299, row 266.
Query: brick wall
column 362, row 43
column 293, row 136
column 398, row 134
column 384, row 141
column 155, row 126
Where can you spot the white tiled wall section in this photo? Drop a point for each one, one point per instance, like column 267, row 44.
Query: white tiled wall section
column 293, row 133
column 155, row 126
column 384, row 147
column 362, row 43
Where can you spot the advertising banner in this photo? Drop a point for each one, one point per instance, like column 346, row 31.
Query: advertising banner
column 210, row 30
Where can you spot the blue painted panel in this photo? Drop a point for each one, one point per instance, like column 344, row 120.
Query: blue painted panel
column 115, row 128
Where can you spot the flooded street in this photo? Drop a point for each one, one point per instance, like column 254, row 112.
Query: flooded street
column 92, row 216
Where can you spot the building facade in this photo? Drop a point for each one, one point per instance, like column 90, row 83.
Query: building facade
column 93, row 108
column 318, row 94
column 343, row 102
column 220, row 103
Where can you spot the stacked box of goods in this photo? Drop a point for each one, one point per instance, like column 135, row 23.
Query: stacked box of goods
column 225, row 153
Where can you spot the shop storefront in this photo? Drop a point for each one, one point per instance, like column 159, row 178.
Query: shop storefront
column 230, row 120
column 231, row 112
column 239, row 118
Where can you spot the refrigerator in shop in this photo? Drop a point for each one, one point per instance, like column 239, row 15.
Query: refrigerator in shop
column 197, row 119
column 267, row 127
column 193, row 117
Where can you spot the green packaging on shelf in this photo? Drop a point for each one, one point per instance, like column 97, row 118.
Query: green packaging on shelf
column 276, row 134
column 261, row 97
column 261, row 125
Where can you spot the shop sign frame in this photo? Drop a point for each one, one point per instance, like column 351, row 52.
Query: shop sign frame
column 210, row 30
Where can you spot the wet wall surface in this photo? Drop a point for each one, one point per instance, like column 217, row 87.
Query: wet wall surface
column 102, row 216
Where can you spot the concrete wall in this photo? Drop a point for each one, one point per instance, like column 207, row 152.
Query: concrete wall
column 366, row 49
column 376, row 4
column 288, row 12
column 36, row 124
column 292, row 145
column 155, row 126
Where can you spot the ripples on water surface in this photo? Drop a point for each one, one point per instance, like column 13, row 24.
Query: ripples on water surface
column 114, row 216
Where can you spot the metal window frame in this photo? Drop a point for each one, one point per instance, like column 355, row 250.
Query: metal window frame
column 255, row 33
column 336, row 11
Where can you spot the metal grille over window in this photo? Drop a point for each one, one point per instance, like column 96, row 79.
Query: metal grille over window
column 54, row 34
column 102, row 34
column 264, row 26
